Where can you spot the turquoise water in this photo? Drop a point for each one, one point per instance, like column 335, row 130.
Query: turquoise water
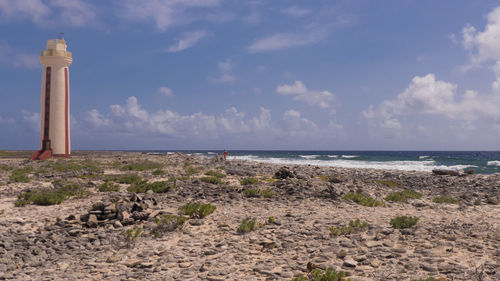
column 484, row 162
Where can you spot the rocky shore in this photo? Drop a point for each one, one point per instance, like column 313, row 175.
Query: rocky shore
column 120, row 216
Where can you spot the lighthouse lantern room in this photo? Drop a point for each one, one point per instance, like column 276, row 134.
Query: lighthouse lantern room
column 54, row 114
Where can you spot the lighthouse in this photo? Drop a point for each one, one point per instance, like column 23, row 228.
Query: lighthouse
column 54, row 113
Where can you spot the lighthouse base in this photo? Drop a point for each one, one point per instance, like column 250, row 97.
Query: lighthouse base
column 41, row 155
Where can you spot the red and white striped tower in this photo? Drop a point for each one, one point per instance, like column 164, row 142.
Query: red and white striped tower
column 54, row 115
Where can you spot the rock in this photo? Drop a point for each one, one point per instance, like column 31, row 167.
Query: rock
column 283, row 173
column 349, row 262
column 341, row 254
column 92, row 221
column 117, row 224
column 442, row 172
column 196, row 222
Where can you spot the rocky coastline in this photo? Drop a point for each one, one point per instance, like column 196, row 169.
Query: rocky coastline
column 120, row 216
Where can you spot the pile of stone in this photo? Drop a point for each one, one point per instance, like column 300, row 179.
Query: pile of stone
column 121, row 210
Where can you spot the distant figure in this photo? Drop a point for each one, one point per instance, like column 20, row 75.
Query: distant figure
column 224, row 155
column 216, row 157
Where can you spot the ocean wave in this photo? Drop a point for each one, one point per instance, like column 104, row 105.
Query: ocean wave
column 210, row 152
column 309, row 156
column 349, row 156
column 423, row 166
column 333, row 156
column 494, row 163
column 423, row 157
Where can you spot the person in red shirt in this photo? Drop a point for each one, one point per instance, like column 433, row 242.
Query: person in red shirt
column 224, row 154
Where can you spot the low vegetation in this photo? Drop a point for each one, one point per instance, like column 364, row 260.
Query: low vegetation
column 328, row 275
column 108, row 186
column 166, row 223
column 212, row 180
column 142, row 166
column 248, row 181
column 255, row 192
column 190, row 170
column 156, row 187
column 389, row 183
column 5, row 167
column 403, row 196
column 54, row 196
column 270, row 220
column 353, row 227
column 246, row 225
column 72, row 165
column 158, row 172
column 363, row 200
column 21, row 174
column 444, row 199
column 215, row 174
column 197, row 209
column 403, row 222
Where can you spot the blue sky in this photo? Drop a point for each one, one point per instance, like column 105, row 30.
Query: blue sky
column 213, row 74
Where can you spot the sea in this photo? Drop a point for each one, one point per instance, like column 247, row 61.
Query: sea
column 483, row 162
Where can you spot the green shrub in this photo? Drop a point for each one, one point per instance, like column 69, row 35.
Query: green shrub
column 158, row 172
column 192, row 170
column 247, row 181
column 215, row 174
column 328, row 275
column 255, row 192
column 51, row 196
column 166, row 223
column 363, row 200
column 5, row 167
column 212, row 180
column 403, row 222
column 197, row 209
column 129, row 179
column 157, row 187
column 246, row 225
column 21, row 174
column 444, row 199
column 389, row 183
column 270, row 220
column 354, row 226
column 108, row 186
column 142, row 166
column 403, row 196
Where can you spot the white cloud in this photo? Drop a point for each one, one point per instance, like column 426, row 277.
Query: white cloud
column 285, row 40
column 34, row 10
column 226, row 76
column 322, row 99
column 6, row 120
column 296, row 11
column 428, row 96
column 75, row 12
column 165, row 13
column 27, row 61
column 165, row 91
column 49, row 13
column 18, row 59
column 96, row 119
column 483, row 45
column 187, row 40
column 32, row 119
column 298, row 126
column 225, row 66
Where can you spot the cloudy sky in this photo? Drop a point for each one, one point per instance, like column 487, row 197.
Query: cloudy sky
column 235, row 74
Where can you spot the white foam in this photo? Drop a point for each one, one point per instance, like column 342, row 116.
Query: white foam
column 494, row 163
column 423, row 157
column 333, row 156
column 210, row 152
column 309, row 156
column 424, row 166
column 349, row 156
